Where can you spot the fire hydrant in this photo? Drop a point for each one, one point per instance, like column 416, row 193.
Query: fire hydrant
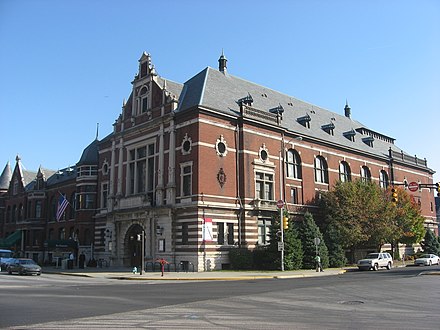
column 134, row 270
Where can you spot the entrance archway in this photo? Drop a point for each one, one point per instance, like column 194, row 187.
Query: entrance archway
column 134, row 245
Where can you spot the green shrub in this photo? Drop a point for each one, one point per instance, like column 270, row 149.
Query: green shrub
column 241, row 258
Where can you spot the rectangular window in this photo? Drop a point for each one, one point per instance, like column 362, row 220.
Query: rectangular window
column 220, row 233
column 186, row 179
column 141, row 170
column 230, row 234
column 161, row 246
column 38, row 209
column 104, row 195
column 144, row 104
column 90, row 201
column 264, row 186
column 293, row 196
column 264, row 231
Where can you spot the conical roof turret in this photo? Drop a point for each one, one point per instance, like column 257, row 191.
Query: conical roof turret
column 5, row 177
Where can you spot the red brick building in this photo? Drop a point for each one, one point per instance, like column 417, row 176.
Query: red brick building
column 198, row 167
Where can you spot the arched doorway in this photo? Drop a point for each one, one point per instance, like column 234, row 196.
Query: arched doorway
column 134, row 245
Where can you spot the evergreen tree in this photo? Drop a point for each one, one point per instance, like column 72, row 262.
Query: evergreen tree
column 308, row 231
column 431, row 243
column 293, row 253
column 336, row 253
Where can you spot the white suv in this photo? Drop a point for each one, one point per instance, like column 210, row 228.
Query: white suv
column 375, row 261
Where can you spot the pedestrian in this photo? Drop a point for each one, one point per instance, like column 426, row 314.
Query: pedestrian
column 82, row 260
column 162, row 262
column 318, row 263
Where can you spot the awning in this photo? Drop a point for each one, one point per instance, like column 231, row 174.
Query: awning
column 11, row 239
column 60, row 244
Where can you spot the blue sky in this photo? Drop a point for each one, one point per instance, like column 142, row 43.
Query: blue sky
column 67, row 65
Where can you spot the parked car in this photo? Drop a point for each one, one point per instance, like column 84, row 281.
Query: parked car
column 427, row 259
column 375, row 261
column 24, row 266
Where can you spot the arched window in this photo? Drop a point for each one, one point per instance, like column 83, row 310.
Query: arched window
column 365, row 174
column 321, row 170
column 383, row 179
column 293, row 164
column 344, row 172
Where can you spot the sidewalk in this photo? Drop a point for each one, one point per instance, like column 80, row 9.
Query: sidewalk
column 121, row 273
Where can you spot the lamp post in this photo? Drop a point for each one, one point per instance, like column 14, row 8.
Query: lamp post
column 281, row 203
column 142, row 252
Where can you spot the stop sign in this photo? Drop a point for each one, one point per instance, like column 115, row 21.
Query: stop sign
column 413, row 186
column 280, row 204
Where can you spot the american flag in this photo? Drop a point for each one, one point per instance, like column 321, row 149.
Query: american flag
column 62, row 205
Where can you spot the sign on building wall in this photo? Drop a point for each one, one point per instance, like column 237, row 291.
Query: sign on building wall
column 207, row 230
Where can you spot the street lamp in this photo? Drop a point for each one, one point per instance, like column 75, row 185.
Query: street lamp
column 281, row 203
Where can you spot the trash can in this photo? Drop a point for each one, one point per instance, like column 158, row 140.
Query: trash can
column 69, row 264
column 64, row 263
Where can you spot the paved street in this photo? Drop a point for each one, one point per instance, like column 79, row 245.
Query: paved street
column 398, row 299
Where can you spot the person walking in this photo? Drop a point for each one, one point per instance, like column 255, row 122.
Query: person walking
column 318, row 263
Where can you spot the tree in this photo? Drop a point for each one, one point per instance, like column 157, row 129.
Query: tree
column 293, row 252
column 336, row 252
column 363, row 215
column 408, row 221
column 431, row 244
column 292, row 246
column 359, row 211
column 308, row 231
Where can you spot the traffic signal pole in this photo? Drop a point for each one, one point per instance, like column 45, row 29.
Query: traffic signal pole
column 282, row 237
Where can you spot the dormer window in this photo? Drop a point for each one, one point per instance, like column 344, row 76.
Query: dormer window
column 305, row 121
column 350, row 135
column 329, row 128
column 368, row 141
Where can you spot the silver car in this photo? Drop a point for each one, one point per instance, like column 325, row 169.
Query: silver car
column 375, row 261
column 427, row 259
column 24, row 266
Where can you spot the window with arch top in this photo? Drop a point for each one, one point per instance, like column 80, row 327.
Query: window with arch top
column 321, row 170
column 344, row 172
column 293, row 164
column 365, row 174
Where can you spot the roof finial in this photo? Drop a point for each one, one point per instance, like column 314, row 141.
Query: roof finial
column 97, row 131
column 222, row 63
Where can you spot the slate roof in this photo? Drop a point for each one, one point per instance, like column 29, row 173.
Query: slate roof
column 60, row 176
column 90, row 154
column 5, row 177
column 215, row 90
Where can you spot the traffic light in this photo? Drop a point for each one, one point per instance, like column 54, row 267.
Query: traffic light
column 285, row 223
column 438, row 188
column 394, row 196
